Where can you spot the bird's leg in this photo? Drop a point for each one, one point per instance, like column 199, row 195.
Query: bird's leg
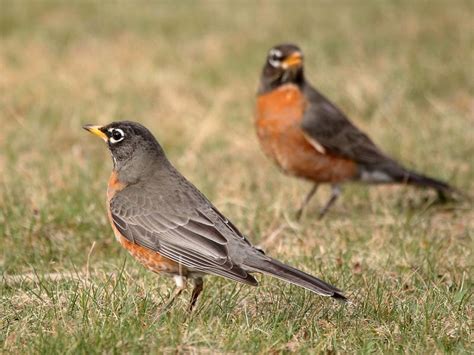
column 198, row 287
column 335, row 192
column 180, row 286
column 306, row 200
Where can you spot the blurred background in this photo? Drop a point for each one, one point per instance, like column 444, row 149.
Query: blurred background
column 189, row 70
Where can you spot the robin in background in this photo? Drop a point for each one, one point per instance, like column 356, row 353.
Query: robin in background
column 309, row 137
column 170, row 227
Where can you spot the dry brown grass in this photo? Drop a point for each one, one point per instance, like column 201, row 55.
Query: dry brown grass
column 189, row 72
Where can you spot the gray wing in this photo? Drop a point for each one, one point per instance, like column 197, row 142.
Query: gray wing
column 325, row 125
column 192, row 233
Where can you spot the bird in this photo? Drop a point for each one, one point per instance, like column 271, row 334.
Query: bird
column 171, row 228
column 309, row 137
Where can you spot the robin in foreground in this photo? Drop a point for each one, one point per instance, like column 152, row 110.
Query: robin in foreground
column 309, row 137
column 170, row 227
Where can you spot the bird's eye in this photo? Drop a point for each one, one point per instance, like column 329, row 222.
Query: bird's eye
column 274, row 57
column 116, row 135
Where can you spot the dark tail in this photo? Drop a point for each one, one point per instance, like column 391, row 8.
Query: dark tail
column 396, row 173
column 445, row 191
column 297, row 277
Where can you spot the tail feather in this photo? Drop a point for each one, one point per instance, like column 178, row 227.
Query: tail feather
column 391, row 171
column 297, row 277
column 413, row 178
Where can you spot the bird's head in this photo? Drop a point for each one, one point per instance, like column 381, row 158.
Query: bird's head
column 133, row 147
column 283, row 65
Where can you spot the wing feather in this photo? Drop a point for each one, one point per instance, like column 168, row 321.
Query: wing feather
column 198, row 238
column 325, row 124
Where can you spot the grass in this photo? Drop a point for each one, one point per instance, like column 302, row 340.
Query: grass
column 189, row 71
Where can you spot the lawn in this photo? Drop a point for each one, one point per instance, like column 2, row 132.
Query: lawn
column 402, row 70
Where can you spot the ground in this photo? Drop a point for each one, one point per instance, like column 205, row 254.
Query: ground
column 189, row 71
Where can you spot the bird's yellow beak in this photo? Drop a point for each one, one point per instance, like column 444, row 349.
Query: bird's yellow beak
column 294, row 60
column 96, row 130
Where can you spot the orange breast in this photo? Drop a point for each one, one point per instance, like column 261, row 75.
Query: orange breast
column 278, row 118
column 114, row 186
column 148, row 258
column 152, row 260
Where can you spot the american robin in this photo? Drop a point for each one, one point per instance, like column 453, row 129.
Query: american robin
column 170, row 227
column 309, row 137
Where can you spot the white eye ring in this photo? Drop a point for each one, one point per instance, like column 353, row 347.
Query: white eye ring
column 274, row 57
column 114, row 137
